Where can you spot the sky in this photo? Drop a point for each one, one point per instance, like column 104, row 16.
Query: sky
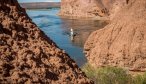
column 39, row 1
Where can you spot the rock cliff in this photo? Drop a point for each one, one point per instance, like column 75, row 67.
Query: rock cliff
column 82, row 8
column 89, row 8
column 122, row 43
column 28, row 56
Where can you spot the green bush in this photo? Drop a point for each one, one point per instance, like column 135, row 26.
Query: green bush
column 89, row 71
column 140, row 79
column 112, row 75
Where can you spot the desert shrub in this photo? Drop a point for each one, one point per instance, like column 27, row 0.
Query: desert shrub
column 140, row 79
column 113, row 75
column 89, row 71
column 107, row 75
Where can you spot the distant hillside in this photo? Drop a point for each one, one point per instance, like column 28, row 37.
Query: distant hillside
column 40, row 5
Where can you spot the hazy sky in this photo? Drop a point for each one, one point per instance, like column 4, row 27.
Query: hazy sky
column 39, row 0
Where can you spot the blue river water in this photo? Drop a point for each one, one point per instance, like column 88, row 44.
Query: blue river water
column 58, row 29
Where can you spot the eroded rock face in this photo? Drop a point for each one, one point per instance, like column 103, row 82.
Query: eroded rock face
column 122, row 43
column 83, row 8
column 27, row 55
column 89, row 8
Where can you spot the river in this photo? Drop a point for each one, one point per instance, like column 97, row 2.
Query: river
column 58, row 29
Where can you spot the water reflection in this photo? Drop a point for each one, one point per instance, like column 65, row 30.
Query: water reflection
column 81, row 29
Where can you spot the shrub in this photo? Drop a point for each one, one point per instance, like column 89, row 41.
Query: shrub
column 140, row 79
column 89, row 71
column 112, row 75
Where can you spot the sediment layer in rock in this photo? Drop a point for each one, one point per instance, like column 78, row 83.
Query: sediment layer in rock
column 27, row 55
column 122, row 43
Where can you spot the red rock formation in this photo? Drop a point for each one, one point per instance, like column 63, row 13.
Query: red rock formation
column 83, row 8
column 27, row 55
column 89, row 8
column 122, row 43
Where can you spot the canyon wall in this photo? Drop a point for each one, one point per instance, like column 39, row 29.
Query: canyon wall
column 89, row 8
column 27, row 55
column 122, row 43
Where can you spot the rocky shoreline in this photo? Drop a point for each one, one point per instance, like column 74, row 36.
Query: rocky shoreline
column 27, row 55
column 119, row 44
